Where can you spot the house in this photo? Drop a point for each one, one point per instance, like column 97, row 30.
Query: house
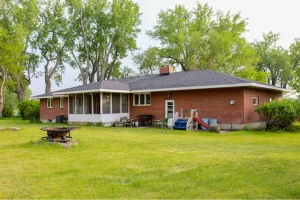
column 230, row 100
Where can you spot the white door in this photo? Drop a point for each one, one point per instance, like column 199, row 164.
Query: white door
column 169, row 109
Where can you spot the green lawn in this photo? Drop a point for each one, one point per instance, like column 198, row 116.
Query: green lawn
column 148, row 163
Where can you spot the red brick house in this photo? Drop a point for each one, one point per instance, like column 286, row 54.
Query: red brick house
column 230, row 100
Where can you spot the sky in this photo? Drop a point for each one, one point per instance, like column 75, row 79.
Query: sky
column 279, row 16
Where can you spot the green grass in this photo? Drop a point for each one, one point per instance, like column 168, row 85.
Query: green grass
column 148, row 163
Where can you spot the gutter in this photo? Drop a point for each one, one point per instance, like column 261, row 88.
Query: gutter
column 255, row 85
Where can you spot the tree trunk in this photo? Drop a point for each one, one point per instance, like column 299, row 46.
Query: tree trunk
column 85, row 77
column 1, row 100
column 1, row 93
column 274, row 80
column 48, row 85
column 21, row 88
column 21, row 93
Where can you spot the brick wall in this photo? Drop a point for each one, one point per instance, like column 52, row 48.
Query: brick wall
column 263, row 97
column 210, row 103
column 51, row 113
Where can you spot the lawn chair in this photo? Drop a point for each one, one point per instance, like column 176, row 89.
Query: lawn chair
column 162, row 123
column 127, row 122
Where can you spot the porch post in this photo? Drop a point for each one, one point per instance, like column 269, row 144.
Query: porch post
column 121, row 103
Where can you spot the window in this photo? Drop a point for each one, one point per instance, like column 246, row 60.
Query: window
column 142, row 99
column 255, row 101
column 61, row 102
column 106, row 103
column 271, row 99
column 49, row 103
column 115, row 102
column 124, row 103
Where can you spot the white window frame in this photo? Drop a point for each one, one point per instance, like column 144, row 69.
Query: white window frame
column 61, row 102
column 257, row 101
column 139, row 94
column 51, row 104
column 272, row 99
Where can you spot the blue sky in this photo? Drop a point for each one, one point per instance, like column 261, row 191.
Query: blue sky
column 280, row 16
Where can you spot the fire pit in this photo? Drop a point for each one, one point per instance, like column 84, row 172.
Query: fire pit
column 58, row 134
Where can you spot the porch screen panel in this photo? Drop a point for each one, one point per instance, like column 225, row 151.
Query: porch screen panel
column 97, row 103
column 106, row 103
column 124, row 103
column 116, row 103
column 87, row 104
column 72, row 104
column 79, row 103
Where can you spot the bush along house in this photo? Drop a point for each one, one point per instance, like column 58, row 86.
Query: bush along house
column 230, row 100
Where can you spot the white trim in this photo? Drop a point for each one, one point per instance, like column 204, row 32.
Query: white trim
column 257, row 100
column 270, row 87
column 257, row 85
column 213, row 87
column 145, row 99
column 50, row 103
column 114, row 91
column 87, row 91
column 61, row 99
column 166, row 108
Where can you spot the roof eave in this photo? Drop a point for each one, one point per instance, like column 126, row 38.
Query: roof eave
column 213, row 87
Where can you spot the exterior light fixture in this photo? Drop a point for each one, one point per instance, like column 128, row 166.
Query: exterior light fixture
column 232, row 102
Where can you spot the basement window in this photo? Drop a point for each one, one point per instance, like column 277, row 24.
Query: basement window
column 143, row 99
column 271, row 99
column 255, row 101
column 50, row 103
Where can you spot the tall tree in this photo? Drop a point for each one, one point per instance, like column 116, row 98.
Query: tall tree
column 274, row 60
column 11, row 45
column 26, row 14
column 294, row 52
column 203, row 39
column 149, row 61
column 105, row 32
column 53, row 40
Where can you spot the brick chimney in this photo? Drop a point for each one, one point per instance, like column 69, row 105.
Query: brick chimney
column 165, row 70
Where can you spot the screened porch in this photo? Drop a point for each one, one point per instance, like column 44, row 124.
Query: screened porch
column 96, row 107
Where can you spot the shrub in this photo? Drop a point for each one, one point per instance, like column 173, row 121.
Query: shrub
column 215, row 129
column 8, row 110
column 279, row 115
column 247, row 128
column 100, row 124
column 30, row 110
column 89, row 124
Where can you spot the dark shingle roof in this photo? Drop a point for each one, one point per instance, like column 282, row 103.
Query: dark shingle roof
column 197, row 78
column 107, row 85
column 185, row 79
